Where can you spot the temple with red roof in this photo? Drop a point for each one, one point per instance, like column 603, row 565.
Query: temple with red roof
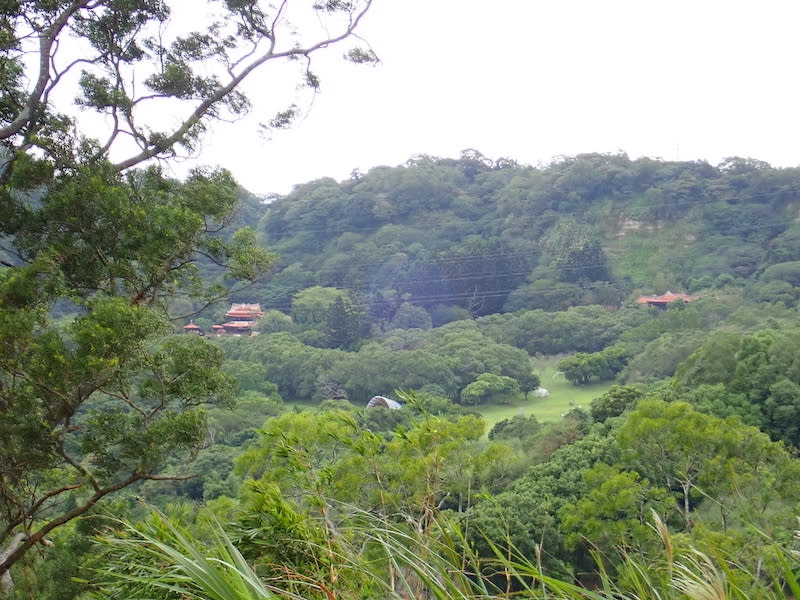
column 242, row 318
column 665, row 299
column 190, row 327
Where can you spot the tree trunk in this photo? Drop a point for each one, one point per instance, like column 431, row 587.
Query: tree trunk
column 6, row 583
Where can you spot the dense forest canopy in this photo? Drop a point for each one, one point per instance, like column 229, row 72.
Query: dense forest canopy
column 442, row 281
column 493, row 236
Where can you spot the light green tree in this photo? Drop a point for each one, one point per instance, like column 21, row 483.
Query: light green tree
column 492, row 388
column 614, row 402
column 311, row 306
column 616, row 514
column 409, row 316
column 710, row 461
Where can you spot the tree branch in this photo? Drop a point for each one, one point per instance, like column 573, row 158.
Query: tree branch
column 46, row 40
column 221, row 93
column 65, row 518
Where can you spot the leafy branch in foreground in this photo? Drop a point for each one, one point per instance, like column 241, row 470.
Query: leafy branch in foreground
column 161, row 560
column 164, row 560
column 99, row 246
column 137, row 63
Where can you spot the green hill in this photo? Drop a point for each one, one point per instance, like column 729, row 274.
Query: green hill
column 484, row 236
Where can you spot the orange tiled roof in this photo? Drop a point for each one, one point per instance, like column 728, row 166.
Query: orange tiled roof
column 244, row 311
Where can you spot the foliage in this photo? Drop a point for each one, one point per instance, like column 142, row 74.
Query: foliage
column 103, row 247
column 316, row 458
column 615, row 515
column 525, row 518
column 614, row 402
column 296, row 369
column 345, row 324
column 584, row 368
column 704, row 459
column 221, row 573
column 589, row 505
column 488, row 387
column 200, row 72
column 311, row 306
column 579, row 329
column 582, row 230
column 517, row 427
column 103, row 252
column 409, row 316
column 759, row 372
column 442, row 565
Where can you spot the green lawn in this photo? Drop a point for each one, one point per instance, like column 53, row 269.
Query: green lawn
column 563, row 397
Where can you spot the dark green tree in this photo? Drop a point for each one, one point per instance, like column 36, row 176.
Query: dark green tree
column 706, row 460
column 527, row 516
column 614, row 402
column 409, row 316
column 518, row 427
column 584, row 368
column 345, row 326
column 758, row 376
column 492, row 388
column 311, row 306
column 615, row 515
column 584, row 263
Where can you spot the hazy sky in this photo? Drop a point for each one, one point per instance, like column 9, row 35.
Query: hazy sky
column 535, row 79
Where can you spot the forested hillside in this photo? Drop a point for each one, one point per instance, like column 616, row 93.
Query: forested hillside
column 444, row 283
column 448, row 285
column 484, row 236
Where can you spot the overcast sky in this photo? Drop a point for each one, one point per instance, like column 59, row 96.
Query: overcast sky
column 536, row 79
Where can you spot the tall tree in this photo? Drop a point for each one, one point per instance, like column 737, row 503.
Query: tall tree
column 98, row 236
column 344, row 325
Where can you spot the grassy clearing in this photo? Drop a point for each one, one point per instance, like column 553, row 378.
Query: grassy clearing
column 563, row 397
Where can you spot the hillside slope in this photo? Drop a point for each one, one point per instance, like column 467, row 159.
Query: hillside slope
column 490, row 236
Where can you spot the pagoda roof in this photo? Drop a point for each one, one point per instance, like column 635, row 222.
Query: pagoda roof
column 245, row 310
column 191, row 326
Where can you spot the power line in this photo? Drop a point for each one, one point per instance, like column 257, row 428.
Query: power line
column 433, row 298
column 372, row 270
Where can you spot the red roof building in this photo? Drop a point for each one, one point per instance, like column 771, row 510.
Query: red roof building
column 245, row 312
column 243, row 318
column 191, row 328
column 665, row 299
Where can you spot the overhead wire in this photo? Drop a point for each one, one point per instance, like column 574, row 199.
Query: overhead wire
column 371, row 270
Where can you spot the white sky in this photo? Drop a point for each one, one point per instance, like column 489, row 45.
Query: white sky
column 536, row 79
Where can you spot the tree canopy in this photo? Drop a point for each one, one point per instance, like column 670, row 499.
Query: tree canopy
column 101, row 248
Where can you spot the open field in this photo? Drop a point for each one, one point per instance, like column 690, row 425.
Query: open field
column 563, row 397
